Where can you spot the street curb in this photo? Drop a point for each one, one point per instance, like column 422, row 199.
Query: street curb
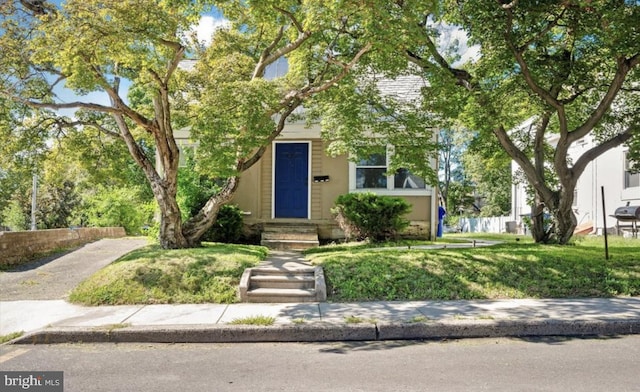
column 332, row 332
column 506, row 328
column 202, row 334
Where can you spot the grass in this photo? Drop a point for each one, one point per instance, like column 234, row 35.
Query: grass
column 513, row 269
column 10, row 337
column 152, row 275
column 254, row 320
column 354, row 246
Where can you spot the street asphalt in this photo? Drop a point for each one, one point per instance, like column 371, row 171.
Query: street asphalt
column 54, row 320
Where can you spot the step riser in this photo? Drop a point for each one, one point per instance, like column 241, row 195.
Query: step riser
column 290, row 236
column 290, row 229
column 268, row 271
column 273, row 299
column 282, row 285
column 288, row 245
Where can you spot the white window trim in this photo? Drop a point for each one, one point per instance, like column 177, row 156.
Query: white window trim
column 626, row 164
column 390, row 190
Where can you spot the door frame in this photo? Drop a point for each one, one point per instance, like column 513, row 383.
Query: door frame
column 273, row 175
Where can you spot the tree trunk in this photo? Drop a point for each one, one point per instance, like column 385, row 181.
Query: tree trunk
column 171, row 236
column 565, row 219
column 195, row 227
column 538, row 231
column 559, row 228
column 566, row 224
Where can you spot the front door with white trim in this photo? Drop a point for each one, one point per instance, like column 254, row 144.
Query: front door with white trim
column 291, row 180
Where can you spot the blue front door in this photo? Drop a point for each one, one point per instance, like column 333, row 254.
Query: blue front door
column 291, row 180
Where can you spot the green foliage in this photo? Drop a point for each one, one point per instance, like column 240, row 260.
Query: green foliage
column 56, row 205
column 570, row 67
column 118, row 207
column 14, row 216
column 153, row 275
column 194, row 189
column 367, row 215
column 228, row 226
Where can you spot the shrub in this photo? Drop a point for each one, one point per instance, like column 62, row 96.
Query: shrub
column 118, row 207
column 228, row 226
column 369, row 216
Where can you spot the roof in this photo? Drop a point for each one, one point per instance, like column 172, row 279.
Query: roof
column 407, row 88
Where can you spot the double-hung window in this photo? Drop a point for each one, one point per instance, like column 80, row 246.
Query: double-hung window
column 370, row 172
column 631, row 180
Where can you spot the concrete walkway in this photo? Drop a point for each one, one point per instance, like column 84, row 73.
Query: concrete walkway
column 57, row 321
column 53, row 277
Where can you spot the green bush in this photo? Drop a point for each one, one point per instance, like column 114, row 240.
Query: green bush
column 369, row 216
column 118, row 207
column 228, row 226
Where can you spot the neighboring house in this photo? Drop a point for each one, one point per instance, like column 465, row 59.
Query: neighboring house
column 611, row 171
column 297, row 182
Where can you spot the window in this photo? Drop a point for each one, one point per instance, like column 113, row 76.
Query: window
column 187, row 151
column 370, row 172
column 631, row 180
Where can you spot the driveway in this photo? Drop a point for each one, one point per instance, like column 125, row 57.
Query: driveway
column 53, row 278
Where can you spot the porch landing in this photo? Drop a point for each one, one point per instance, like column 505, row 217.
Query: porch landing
column 290, row 236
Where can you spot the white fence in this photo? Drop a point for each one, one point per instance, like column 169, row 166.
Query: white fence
column 494, row 224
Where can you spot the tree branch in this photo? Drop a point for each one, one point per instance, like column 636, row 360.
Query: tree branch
column 624, row 66
column 272, row 57
column 245, row 165
column 118, row 106
column 295, row 21
column 523, row 161
column 462, row 76
column 524, row 67
column 346, row 68
column 173, row 65
column 553, row 23
column 93, row 124
column 586, row 158
column 263, row 62
column 508, row 5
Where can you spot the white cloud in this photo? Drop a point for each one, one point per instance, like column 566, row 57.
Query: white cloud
column 207, row 26
column 450, row 35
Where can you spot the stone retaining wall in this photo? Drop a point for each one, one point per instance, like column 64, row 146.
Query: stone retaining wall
column 17, row 246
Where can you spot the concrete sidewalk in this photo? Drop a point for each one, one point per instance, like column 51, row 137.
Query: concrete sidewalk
column 58, row 321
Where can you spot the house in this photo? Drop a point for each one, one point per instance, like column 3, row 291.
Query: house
column 296, row 182
column 609, row 171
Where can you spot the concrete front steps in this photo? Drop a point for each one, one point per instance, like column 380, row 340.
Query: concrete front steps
column 278, row 285
column 290, row 236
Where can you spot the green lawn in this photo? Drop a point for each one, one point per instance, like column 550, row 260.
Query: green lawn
column 513, row 269
column 152, row 275
column 516, row 268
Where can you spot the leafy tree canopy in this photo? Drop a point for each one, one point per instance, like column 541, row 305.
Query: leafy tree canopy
column 569, row 67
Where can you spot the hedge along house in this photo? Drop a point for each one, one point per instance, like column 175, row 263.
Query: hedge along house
column 287, row 196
